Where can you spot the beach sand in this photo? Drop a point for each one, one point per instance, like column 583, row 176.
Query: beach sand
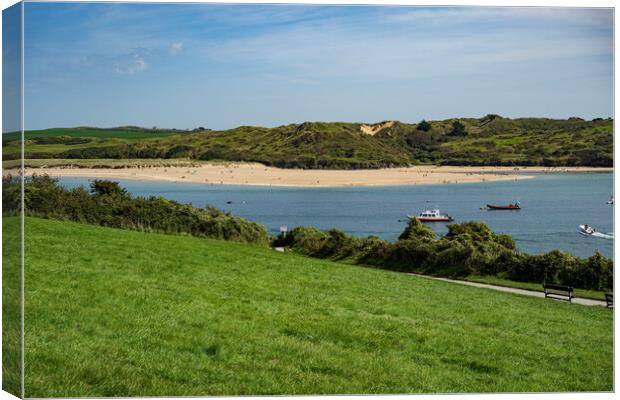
column 261, row 175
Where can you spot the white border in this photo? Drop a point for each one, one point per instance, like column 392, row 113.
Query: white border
column 488, row 3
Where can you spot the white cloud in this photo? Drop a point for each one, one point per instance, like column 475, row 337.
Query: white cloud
column 176, row 48
column 129, row 65
column 469, row 15
column 408, row 52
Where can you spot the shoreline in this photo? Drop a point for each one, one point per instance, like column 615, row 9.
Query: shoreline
column 255, row 174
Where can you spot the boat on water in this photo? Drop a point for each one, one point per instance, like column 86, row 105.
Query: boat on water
column 610, row 201
column 587, row 230
column 432, row 216
column 515, row 206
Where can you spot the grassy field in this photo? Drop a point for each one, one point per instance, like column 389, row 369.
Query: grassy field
column 122, row 313
column 120, row 133
column 537, row 287
column 70, row 142
column 11, row 306
column 490, row 140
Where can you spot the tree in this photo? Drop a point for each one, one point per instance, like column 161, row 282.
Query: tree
column 491, row 117
column 458, row 129
column 424, row 126
column 107, row 188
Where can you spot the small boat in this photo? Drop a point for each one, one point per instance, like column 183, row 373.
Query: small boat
column 610, row 201
column 432, row 216
column 586, row 230
column 515, row 206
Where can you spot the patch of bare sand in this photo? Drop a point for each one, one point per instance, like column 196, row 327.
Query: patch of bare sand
column 374, row 128
column 261, row 175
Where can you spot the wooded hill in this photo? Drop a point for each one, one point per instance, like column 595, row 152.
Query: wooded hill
column 491, row 140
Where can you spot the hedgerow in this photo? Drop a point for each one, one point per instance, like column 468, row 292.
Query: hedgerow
column 106, row 203
column 470, row 248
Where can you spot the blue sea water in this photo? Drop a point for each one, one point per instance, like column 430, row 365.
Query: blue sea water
column 553, row 206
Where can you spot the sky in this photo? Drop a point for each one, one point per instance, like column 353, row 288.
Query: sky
column 11, row 68
column 222, row 66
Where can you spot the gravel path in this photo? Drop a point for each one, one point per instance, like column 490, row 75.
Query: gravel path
column 577, row 300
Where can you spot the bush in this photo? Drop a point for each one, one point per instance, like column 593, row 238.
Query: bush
column 457, row 129
column 595, row 273
column 416, row 230
column 470, row 248
column 424, row 126
column 108, row 204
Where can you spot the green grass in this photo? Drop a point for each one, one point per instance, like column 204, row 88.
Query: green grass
column 532, row 141
column 59, row 142
column 122, row 313
column 33, row 149
column 11, row 306
column 121, row 133
column 537, row 287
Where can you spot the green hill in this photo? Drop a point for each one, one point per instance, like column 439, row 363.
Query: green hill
column 491, row 140
column 121, row 313
column 123, row 132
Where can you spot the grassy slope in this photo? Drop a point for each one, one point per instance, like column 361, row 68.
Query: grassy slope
column 99, row 138
column 121, row 133
column 507, row 140
column 11, row 306
column 120, row 313
column 498, row 141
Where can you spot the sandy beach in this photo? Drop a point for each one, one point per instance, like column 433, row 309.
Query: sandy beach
column 261, row 175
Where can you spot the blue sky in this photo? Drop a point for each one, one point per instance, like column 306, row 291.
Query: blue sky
column 11, row 68
column 221, row 66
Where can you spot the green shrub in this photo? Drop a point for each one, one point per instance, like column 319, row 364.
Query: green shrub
column 416, row 230
column 424, row 126
column 108, row 204
column 457, row 129
column 470, row 248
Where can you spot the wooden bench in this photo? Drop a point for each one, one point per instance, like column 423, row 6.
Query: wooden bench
column 609, row 299
column 558, row 292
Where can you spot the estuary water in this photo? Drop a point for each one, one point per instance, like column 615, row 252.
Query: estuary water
column 553, row 206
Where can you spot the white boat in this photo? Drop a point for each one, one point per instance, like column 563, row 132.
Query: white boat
column 610, row 201
column 432, row 216
column 586, row 230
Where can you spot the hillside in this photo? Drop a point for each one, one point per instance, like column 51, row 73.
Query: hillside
column 170, row 315
column 491, row 140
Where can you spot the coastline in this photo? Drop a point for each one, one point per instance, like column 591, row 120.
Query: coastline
column 255, row 174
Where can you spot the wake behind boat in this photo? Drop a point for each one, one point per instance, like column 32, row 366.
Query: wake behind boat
column 432, row 216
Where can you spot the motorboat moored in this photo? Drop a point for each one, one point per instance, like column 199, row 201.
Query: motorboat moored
column 515, row 206
column 432, row 216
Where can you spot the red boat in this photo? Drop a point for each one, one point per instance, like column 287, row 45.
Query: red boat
column 515, row 206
